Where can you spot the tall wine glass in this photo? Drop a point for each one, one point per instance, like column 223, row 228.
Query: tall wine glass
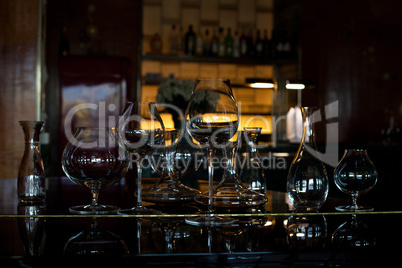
column 141, row 130
column 355, row 175
column 212, row 120
column 94, row 158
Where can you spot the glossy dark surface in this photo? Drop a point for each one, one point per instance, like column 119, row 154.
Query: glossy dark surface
column 276, row 237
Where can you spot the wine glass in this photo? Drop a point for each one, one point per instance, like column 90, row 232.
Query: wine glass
column 94, row 158
column 172, row 161
column 353, row 234
column 141, row 130
column 355, row 175
column 212, row 120
column 95, row 242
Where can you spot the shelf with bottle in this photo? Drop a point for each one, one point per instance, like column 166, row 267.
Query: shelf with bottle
column 209, row 59
column 245, row 47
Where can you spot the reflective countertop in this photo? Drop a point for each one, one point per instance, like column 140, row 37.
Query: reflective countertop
column 272, row 235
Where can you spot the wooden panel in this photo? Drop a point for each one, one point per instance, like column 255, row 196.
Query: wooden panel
column 352, row 52
column 18, row 27
column 118, row 23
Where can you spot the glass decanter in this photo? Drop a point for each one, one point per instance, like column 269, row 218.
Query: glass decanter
column 355, row 175
column 252, row 174
column 172, row 161
column 31, row 227
column 231, row 193
column 307, row 182
column 306, row 232
column 31, row 175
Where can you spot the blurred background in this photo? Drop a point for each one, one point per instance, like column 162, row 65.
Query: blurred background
column 55, row 54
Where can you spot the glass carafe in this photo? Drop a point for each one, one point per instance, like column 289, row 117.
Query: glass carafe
column 31, row 175
column 252, row 174
column 231, row 193
column 307, row 182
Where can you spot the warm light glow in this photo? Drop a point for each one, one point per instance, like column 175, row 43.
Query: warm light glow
column 262, row 85
column 295, row 86
column 262, row 121
column 219, row 118
column 268, row 223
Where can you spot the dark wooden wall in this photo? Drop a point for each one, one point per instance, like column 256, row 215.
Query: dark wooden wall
column 18, row 43
column 118, row 26
column 352, row 50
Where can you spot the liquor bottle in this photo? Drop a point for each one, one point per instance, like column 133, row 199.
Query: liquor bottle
column 229, row 44
column 207, row 43
column 199, row 42
column 214, row 43
column 266, row 45
column 236, row 45
column 250, row 44
column 287, row 48
column 274, row 42
column 173, row 40
column 156, row 44
column 221, row 44
column 180, row 41
column 243, row 45
column 259, row 44
column 190, row 41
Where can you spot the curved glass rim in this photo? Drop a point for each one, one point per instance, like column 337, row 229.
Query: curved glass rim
column 212, row 79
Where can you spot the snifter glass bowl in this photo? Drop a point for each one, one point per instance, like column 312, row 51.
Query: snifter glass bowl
column 94, row 158
column 355, row 175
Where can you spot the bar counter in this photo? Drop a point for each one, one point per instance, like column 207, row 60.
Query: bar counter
column 273, row 235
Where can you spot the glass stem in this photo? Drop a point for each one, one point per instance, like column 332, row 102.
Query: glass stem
column 139, row 180
column 169, row 234
column 354, row 200
column 211, row 154
column 95, row 195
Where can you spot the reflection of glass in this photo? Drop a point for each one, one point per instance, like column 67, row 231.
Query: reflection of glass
column 355, row 175
column 95, row 242
column 306, row 232
column 231, row 232
column 31, row 174
column 141, row 129
column 172, row 162
column 353, row 234
column 231, row 193
column 307, row 184
column 94, row 158
column 252, row 174
column 255, row 229
column 167, row 227
column 31, row 228
column 212, row 120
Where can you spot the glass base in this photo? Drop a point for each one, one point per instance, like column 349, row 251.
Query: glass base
column 353, row 208
column 209, row 220
column 94, row 210
column 168, row 191
column 233, row 197
column 139, row 211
